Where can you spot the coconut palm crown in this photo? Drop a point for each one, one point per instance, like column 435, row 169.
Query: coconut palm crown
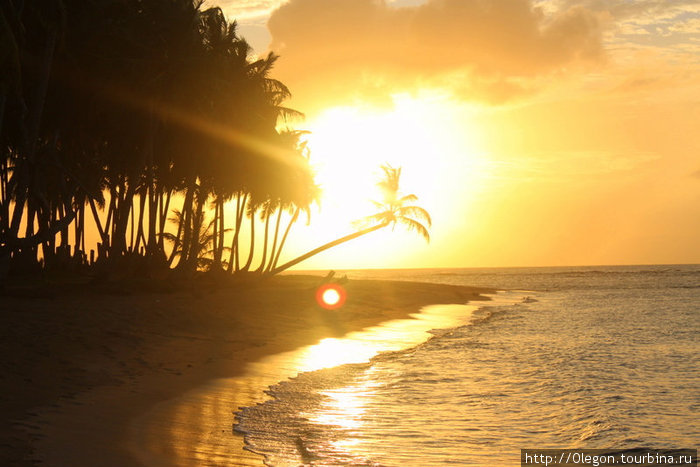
column 394, row 208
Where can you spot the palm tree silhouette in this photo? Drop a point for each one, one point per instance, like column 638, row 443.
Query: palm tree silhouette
column 393, row 209
column 123, row 118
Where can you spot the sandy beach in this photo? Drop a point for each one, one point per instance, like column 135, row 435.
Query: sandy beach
column 78, row 365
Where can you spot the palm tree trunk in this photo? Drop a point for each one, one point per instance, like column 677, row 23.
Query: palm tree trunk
column 215, row 237
column 82, row 228
column 163, row 219
column 150, row 184
column 197, row 221
column 63, row 233
column 328, row 245
column 185, row 221
column 32, row 253
column 45, row 235
column 235, row 250
column 219, row 232
column 284, row 239
column 233, row 254
column 18, row 212
column 252, row 242
column 131, row 232
column 139, row 232
column 273, row 250
column 109, row 225
column 222, row 232
column 120, row 221
column 3, row 99
column 96, row 216
column 49, row 244
column 152, row 243
column 267, row 230
column 76, row 229
column 4, row 195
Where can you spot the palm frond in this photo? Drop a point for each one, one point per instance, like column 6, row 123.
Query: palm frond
column 169, row 236
column 412, row 224
column 290, row 114
column 415, row 212
column 390, row 182
column 177, row 216
column 377, row 204
column 384, row 217
column 408, row 199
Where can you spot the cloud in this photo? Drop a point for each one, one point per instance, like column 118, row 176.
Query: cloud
column 639, row 83
column 624, row 9
column 245, row 9
column 486, row 49
column 687, row 26
column 676, row 20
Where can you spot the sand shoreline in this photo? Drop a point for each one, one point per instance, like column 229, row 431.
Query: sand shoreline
column 77, row 368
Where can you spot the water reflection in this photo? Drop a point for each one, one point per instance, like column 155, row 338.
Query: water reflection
column 332, row 352
column 361, row 346
column 195, row 429
column 345, row 406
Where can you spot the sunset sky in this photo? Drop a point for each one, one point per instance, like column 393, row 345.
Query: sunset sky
column 535, row 132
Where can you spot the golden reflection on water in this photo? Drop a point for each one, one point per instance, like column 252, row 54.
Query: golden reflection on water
column 361, row 346
column 344, row 407
column 196, row 429
column 332, row 352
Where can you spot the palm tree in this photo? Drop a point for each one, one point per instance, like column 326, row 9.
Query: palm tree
column 393, row 210
column 109, row 106
column 204, row 239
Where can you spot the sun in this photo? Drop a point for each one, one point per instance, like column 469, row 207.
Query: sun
column 349, row 144
column 435, row 142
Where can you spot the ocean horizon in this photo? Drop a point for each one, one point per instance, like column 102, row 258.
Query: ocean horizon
column 592, row 357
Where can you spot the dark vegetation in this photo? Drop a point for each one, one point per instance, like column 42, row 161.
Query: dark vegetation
column 153, row 123
column 110, row 109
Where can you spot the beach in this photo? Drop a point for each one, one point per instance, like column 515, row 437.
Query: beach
column 79, row 364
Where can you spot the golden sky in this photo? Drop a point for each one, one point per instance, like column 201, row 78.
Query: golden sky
column 535, row 132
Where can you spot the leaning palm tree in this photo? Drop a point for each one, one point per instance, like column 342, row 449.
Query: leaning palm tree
column 393, row 209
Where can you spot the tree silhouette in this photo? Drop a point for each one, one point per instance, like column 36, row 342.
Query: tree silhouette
column 393, row 209
column 125, row 111
column 124, row 107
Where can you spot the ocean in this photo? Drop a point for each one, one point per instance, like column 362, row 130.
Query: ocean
column 580, row 357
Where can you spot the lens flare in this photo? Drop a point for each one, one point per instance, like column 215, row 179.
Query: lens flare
column 330, row 296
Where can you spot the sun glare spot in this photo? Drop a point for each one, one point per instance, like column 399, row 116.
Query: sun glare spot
column 331, row 296
column 420, row 135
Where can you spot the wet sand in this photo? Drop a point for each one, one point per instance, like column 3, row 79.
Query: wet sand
column 79, row 368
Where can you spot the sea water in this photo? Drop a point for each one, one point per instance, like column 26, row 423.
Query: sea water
column 590, row 357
